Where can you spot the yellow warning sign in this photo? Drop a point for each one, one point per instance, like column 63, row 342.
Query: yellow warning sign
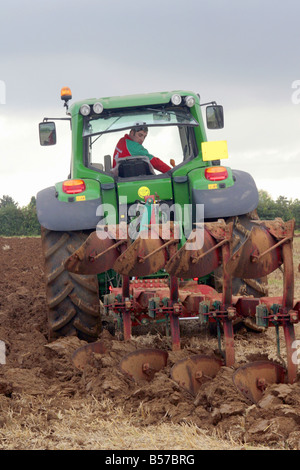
column 143, row 191
column 214, row 150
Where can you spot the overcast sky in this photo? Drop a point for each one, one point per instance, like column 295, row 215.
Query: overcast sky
column 242, row 54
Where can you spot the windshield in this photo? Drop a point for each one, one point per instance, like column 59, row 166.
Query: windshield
column 170, row 134
column 149, row 117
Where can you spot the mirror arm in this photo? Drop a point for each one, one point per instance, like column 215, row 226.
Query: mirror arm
column 59, row 119
column 56, row 119
column 214, row 103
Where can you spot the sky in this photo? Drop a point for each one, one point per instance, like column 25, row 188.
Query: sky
column 243, row 54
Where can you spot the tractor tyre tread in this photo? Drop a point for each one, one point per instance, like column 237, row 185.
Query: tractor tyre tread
column 73, row 299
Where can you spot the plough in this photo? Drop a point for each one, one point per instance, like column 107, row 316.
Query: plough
column 176, row 295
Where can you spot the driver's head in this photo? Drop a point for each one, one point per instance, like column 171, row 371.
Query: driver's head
column 139, row 134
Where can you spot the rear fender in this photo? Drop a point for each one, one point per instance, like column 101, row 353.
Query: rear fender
column 67, row 212
column 238, row 199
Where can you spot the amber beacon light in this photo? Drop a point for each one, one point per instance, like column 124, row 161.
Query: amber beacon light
column 66, row 93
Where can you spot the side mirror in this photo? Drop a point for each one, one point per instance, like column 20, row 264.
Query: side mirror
column 215, row 117
column 47, row 132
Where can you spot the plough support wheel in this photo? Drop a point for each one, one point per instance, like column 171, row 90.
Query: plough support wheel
column 253, row 378
column 191, row 373
column 144, row 363
column 83, row 356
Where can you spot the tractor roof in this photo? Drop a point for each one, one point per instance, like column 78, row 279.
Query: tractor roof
column 131, row 100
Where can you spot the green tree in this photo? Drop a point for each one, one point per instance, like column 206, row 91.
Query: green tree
column 295, row 208
column 7, row 201
column 16, row 221
column 31, row 224
column 266, row 208
column 32, row 202
column 283, row 208
column 11, row 220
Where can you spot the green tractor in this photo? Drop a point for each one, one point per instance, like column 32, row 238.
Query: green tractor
column 108, row 189
column 131, row 240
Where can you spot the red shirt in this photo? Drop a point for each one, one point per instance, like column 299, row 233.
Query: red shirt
column 126, row 147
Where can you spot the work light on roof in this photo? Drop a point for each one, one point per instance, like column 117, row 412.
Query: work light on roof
column 85, row 109
column 189, row 101
column 176, row 99
column 98, row 108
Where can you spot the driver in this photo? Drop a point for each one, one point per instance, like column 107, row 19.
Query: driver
column 132, row 146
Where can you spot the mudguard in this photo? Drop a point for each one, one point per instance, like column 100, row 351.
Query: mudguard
column 66, row 216
column 238, row 199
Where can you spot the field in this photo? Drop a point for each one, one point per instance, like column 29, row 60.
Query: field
column 47, row 403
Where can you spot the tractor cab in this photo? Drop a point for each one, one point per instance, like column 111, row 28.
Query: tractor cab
column 170, row 136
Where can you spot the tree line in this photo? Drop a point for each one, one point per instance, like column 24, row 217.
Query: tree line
column 18, row 221
column 22, row 221
column 282, row 207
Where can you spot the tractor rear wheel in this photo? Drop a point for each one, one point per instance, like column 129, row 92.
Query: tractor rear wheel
column 73, row 299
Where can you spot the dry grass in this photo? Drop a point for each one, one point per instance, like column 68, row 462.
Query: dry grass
column 275, row 280
column 30, row 426
column 296, row 252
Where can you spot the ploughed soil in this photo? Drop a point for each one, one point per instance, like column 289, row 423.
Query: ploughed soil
column 48, row 403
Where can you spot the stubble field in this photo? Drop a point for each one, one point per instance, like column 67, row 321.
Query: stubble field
column 47, row 403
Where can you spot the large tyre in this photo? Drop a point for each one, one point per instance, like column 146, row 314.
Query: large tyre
column 73, row 300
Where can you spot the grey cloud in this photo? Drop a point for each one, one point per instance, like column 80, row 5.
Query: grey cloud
column 243, row 54
column 241, row 42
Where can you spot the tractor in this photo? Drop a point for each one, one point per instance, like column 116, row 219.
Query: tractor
column 128, row 245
